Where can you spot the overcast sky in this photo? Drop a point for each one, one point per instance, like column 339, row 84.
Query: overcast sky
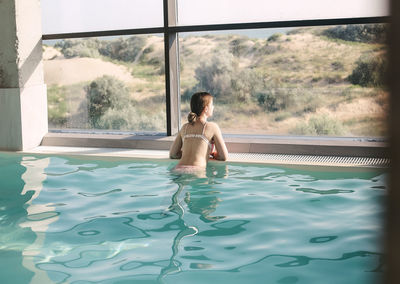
column 93, row 15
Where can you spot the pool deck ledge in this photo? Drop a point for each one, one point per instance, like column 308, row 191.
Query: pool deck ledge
column 309, row 160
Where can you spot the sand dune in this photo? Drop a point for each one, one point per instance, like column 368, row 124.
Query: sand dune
column 50, row 53
column 63, row 71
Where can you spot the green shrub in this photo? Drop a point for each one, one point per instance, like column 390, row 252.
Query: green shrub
column 187, row 94
column 369, row 72
column 238, row 46
column 79, row 47
column 57, row 105
column 337, row 66
column 319, row 125
column 156, row 61
column 148, row 50
column 316, row 79
column 294, row 100
column 268, row 101
column 308, row 102
column 282, row 116
column 269, row 49
column 110, row 107
column 80, row 51
column 274, row 37
column 334, row 79
column 214, row 76
column 105, row 93
column 359, row 33
column 222, row 77
column 123, row 49
column 131, row 118
column 276, row 99
column 245, row 83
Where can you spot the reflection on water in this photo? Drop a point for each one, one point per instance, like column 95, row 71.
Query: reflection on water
column 21, row 182
column 201, row 202
column 74, row 221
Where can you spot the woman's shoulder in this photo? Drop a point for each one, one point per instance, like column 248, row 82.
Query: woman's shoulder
column 184, row 126
column 212, row 125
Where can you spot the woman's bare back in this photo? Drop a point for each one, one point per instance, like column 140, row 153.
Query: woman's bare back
column 192, row 144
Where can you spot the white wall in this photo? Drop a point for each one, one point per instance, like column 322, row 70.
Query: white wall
column 23, row 101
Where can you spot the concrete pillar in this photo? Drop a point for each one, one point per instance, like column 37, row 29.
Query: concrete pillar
column 23, row 100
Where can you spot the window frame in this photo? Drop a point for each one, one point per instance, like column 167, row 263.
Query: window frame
column 171, row 31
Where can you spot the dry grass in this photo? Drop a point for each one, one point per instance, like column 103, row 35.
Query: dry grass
column 302, row 60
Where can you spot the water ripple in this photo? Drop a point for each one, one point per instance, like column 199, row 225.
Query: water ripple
column 324, row 192
column 126, row 221
column 323, row 239
column 100, row 194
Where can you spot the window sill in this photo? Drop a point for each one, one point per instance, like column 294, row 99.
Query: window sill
column 325, row 146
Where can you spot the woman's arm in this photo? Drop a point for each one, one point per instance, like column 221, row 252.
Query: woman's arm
column 222, row 151
column 175, row 152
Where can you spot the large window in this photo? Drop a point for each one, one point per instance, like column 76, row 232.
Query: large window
column 68, row 16
column 108, row 83
column 299, row 81
column 289, row 68
column 205, row 12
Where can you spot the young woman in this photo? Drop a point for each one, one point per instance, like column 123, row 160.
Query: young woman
column 198, row 140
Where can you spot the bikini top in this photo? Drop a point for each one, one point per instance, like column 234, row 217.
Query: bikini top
column 199, row 136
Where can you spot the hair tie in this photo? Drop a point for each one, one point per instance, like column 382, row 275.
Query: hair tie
column 192, row 117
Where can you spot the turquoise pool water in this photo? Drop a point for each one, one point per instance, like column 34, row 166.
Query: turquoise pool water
column 69, row 220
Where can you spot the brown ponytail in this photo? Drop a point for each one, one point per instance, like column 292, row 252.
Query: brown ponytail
column 192, row 117
column 198, row 103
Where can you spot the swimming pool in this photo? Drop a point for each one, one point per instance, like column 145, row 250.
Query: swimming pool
column 97, row 220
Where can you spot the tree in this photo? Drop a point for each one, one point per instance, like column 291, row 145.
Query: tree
column 369, row 72
column 359, row 33
column 123, row 49
column 225, row 80
column 104, row 93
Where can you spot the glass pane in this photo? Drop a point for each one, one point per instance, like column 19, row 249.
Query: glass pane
column 194, row 12
column 305, row 81
column 66, row 16
column 110, row 83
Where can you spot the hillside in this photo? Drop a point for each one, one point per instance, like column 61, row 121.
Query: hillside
column 63, row 71
column 285, row 84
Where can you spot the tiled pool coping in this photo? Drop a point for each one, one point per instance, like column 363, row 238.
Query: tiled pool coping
column 321, row 146
column 312, row 160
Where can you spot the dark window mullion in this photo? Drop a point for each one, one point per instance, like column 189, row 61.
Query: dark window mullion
column 280, row 24
column 157, row 30
column 171, row 68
